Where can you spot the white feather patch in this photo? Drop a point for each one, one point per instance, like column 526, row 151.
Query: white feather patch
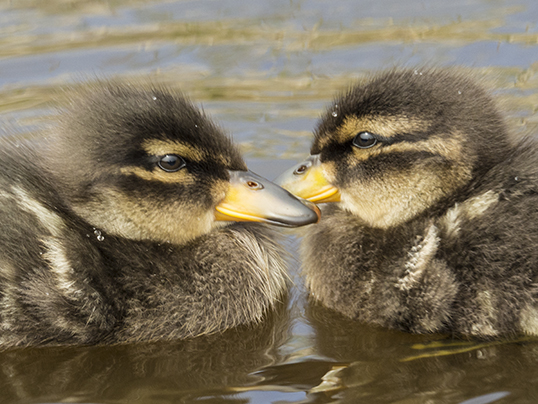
column 419, row 257
column 50, row 220
column 60, row 266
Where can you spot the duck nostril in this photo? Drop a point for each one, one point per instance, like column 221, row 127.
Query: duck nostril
column 301, row 169
column 254, row 185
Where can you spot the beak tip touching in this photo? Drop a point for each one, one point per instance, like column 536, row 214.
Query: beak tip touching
column 267, row 203
column 305, row 214
column 315, row 209
column 307, row 180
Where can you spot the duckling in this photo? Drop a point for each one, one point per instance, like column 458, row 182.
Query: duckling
column 435, row 225
column 136, row 221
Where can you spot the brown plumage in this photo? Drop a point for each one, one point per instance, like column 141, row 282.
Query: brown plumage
column 437, row 225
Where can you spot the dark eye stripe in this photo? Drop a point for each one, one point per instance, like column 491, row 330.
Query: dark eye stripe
column 402, row 159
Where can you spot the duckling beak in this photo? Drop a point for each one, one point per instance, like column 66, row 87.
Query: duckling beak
column 306, row 180
column 253, row 198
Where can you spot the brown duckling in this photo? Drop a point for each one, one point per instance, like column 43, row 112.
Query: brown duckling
column 436, row 225
column 123, row 227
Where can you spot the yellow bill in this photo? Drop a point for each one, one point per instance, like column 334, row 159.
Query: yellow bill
column 306, row 180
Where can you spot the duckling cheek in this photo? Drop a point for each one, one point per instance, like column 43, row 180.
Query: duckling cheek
column 176, row 223
column 392, row 197
column 219, row 190
column 377, row 207
column 328, row 171
column 360, row 205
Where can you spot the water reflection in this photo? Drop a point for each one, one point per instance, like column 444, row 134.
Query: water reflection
column 158, row 373
column 382, row 366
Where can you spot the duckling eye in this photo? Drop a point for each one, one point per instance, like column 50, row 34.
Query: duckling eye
column 171, row 163
column 364, row 140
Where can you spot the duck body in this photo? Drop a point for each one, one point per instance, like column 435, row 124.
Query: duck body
column 454, row 273
column 437, row 225
column 100, row 244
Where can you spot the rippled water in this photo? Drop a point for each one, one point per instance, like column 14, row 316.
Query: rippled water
column 264, row 70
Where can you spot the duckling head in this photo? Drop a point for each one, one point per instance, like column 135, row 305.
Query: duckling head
column 142, row 162
column 399, row 144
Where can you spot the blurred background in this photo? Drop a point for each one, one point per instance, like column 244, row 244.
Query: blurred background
column 264, row 70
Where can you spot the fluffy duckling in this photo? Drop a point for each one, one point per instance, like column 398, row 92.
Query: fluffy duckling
column 116, row 231
column 436, row 229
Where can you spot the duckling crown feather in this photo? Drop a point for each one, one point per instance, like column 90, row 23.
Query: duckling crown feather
column 413, row 105
column 113, row 124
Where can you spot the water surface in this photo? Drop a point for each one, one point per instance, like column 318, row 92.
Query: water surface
column 265, row 72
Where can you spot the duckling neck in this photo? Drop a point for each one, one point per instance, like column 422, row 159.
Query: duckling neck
column 228, row 277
